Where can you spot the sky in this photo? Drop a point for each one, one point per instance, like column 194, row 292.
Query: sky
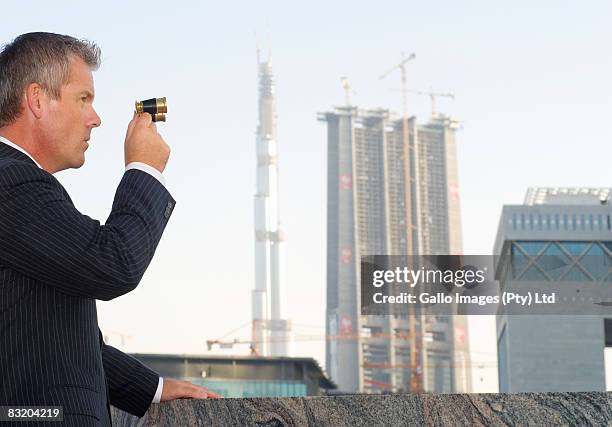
column 533, row 90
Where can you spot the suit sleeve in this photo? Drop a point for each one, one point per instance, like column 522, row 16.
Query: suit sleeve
column 43, row 236
column 131, row 385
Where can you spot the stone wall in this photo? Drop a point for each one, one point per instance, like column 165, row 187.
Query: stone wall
column 370, row 410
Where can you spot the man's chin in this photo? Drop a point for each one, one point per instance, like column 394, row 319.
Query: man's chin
column 79, row 162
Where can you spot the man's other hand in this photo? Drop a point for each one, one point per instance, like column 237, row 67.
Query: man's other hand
column 143, row 144
column 176, row 389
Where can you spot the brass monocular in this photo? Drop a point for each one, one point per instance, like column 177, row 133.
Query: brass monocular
column 156, row 107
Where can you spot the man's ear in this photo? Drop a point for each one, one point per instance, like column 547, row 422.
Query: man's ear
column 36, row 98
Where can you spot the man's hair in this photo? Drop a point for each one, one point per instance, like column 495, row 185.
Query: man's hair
column 42, row 58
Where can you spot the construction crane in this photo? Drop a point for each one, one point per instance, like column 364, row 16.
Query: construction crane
column 416, row 379
column 348, row 89
column 406, row 142
column 386, row 366
column 316, row 337
column 432, row 96
column 402, row 67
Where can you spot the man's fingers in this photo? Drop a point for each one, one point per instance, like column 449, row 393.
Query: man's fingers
column 140, row 120
column 198, row 392
column 144, row 119
column 131, row 124
column 178, row 389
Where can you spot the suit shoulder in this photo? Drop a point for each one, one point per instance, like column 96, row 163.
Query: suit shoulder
column 14, row 171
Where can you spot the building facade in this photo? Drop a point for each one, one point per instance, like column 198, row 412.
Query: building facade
column 389, row 194
column 244, row 376
column 560, row 239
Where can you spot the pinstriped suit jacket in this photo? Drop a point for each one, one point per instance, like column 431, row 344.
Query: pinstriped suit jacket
column 54, row 264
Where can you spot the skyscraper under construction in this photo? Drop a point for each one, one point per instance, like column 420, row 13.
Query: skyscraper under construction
column 271, row 332
column 392, row 190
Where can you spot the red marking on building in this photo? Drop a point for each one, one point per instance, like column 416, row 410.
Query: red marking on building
column 346, row 255
column 459, row 335
column 453, row 190
column 346, row 181
column 346, row 325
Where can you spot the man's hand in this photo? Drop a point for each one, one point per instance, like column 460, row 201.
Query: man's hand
column 143, row 143
column 175, row 389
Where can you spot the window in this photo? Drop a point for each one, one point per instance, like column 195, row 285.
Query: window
column 529, row 222
column 564, row 221
column 438, row 336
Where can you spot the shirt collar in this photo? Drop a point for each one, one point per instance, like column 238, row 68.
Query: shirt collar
column 17, row 147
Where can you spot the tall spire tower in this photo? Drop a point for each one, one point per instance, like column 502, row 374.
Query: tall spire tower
column 271, row 331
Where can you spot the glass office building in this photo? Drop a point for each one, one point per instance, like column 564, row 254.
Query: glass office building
column 561, row 240
column 252, row 388
column 244, row 376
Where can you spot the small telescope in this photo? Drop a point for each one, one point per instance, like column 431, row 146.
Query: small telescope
column 156, row 107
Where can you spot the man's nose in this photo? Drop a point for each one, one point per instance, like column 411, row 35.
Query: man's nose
column 95, row 120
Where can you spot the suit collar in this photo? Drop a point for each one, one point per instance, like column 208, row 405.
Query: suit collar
column 8, row 151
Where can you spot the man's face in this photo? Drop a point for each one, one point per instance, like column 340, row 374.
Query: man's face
column 70, row 119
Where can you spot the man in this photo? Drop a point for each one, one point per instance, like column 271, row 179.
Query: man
column 55, row 262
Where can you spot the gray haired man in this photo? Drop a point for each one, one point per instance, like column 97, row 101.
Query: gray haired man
column 56, row 262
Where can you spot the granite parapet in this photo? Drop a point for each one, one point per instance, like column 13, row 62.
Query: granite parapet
column 584, row 408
